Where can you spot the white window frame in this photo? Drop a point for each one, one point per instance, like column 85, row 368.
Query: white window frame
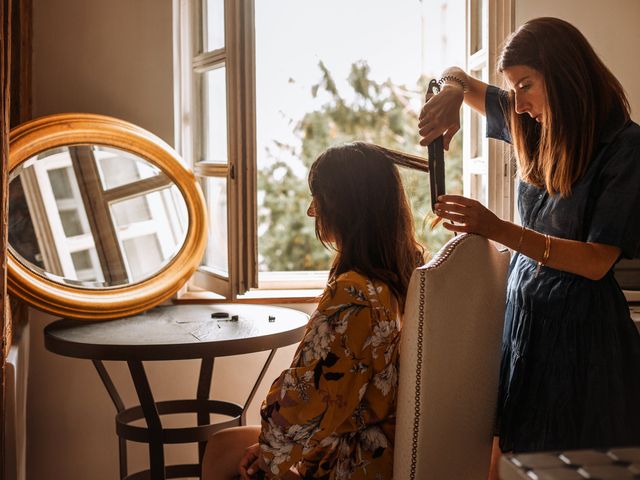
column 495, row 162
column 239, row 57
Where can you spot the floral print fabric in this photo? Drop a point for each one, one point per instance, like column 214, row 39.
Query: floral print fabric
column 332, row 414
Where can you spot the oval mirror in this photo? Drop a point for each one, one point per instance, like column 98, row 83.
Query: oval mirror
column 104, row 219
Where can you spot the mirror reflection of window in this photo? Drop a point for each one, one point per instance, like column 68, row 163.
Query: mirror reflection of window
column 68, row 200
column 131, row 211
column 96, row 216
column 61, row 183
column 71, row 222
column 84, row 263
column 117, row 167
column 56, row 156
column 149, row 227
column 142, row 254
column 57, row 205
column 21, row 226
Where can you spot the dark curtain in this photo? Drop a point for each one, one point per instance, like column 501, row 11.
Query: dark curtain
column 15, row 82
column 20, row 105
column 5, row 84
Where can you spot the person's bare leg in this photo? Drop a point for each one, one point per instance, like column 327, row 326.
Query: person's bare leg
column 495, row 459
column 225, row 450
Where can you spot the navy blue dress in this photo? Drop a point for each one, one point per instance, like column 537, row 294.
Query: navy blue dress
column 570, row 372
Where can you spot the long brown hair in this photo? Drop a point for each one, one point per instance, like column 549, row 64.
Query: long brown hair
column 581, row 94
column 362, row 208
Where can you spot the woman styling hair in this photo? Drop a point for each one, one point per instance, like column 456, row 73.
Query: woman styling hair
column 331, row 414
column 570, row 374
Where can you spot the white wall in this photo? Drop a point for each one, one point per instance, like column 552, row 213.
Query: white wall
column 612, row 27
column 110, row 57
column 113, row 57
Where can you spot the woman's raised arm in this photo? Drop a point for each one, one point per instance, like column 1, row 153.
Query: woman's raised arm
column 440, row 115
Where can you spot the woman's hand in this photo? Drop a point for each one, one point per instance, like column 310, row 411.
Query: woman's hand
column 469, row 216
column 251, row 463
column 440, row 115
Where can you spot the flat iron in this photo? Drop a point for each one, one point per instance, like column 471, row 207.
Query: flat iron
column 436, row 159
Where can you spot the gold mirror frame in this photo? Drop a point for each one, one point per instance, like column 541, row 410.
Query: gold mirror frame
column 44, row 133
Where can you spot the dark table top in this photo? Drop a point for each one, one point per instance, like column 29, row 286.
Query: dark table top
column 178, row 332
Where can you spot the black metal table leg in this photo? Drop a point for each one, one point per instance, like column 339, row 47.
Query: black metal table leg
column 152, row 411
column 203, row 392
column 117, row 401
column 156, row 447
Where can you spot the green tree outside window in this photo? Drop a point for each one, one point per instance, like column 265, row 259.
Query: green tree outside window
column 378, row 112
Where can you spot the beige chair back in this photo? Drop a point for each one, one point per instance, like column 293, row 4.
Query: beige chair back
column 449, row 363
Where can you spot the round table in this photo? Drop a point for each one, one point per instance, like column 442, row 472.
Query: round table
column 177, row 332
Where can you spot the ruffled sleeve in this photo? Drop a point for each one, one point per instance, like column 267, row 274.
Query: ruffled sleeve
column 333, row 365
column 615, row 219
column 496, row 108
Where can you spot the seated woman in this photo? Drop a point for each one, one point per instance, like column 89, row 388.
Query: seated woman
column 331, row 415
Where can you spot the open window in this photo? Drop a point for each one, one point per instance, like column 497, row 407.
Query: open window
column 266, row 85
column 488, row 170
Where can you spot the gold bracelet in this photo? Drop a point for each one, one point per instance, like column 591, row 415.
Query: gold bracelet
column 545, row 255
column 547, row 249
column 521, row 238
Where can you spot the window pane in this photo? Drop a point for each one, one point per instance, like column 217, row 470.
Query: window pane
column 130, row 211
column 142, row 255
column 162, row 213
column 81, row 260
column 353, row 84
column 215, row 116
column 216, row 255
column 61, row 180
column 214, row 24
column 71, row 223
column 86, row 265
column 118, row 167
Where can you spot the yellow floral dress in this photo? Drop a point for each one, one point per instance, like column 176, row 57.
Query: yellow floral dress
column 332, row 414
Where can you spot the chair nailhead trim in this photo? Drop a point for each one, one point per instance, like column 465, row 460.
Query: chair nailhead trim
column 416, row 415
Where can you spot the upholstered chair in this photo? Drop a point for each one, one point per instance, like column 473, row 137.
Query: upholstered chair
column 449, row 363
